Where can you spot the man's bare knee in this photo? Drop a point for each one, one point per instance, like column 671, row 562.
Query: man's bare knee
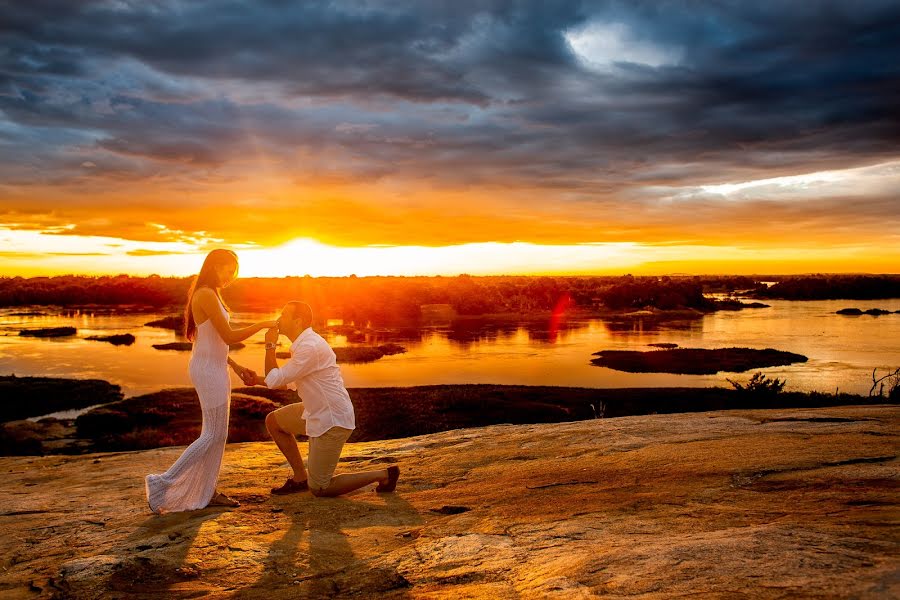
column 272, row 423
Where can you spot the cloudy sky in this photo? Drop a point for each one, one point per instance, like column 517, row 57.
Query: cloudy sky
column 446, row 137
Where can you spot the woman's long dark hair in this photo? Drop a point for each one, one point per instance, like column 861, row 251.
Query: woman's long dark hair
column 207, row 278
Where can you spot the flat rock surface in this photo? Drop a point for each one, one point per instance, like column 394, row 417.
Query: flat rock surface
column 756, row 504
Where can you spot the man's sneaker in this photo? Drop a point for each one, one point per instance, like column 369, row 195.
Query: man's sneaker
column 291, row 487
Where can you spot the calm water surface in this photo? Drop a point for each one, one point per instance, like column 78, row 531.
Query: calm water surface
column 842, row 350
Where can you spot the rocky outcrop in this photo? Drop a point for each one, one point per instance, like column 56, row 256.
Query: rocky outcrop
column 761, row 504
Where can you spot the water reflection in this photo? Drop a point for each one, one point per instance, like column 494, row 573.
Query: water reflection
column 842, row 350
column 472, row 331
column 641, row 325
column 463, row 332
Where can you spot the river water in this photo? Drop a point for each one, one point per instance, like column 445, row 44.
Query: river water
column 842, row 350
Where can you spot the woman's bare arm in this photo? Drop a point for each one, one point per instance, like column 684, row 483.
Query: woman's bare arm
column 205, row 299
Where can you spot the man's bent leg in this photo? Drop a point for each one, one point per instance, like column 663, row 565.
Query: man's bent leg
column 284, row 425
column 347, row 482
column 324, row 453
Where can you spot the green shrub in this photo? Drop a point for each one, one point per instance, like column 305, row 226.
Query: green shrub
column 759, row 385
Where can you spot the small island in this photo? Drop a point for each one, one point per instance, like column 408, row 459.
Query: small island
column 187, row 346
column 48, row 332
column 358, row 354
column 119, row 339
column 875, row 312
column 175, row 323
column 694, row 361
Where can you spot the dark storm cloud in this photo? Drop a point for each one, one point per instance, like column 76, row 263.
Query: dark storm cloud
column 463, row 91
column 312, row 47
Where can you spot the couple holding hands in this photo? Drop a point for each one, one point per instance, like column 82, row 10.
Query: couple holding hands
column 324, row 412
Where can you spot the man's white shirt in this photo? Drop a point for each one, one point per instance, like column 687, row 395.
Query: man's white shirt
column 313, row 369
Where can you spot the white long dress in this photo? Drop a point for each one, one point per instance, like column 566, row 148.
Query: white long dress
column 190, row 482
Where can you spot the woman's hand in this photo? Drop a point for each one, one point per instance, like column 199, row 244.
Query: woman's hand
column 266, row 324
column 249, row 377
column 238, row 369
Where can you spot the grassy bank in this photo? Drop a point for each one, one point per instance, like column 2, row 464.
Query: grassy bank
column 23, row 397
column 172, row 417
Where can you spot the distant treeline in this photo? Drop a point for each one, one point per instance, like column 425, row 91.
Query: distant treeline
column 76, row 290
column 834, row 287
column 387, row 298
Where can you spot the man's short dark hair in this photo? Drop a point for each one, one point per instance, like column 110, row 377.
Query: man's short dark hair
column 300, row 310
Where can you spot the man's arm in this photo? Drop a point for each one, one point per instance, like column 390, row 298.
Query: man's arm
column 301, row 363
column 271, row 344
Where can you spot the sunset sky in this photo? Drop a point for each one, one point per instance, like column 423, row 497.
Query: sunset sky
column 330, row 138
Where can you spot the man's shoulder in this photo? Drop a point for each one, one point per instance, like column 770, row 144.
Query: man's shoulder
column 314, row 337
column 321, row 343
column 311, row 341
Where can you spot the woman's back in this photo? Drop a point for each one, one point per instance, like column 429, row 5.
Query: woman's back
column 208, row 344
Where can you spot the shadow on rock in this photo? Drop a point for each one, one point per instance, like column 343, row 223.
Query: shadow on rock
column 154, row 560
column 315, row 559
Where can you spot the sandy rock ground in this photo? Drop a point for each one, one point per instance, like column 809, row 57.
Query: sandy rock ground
column 755, row 504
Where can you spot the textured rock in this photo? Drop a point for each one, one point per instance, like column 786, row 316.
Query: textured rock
column 762, row 504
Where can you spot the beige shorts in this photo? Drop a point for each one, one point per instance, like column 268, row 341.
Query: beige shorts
column 324, row 450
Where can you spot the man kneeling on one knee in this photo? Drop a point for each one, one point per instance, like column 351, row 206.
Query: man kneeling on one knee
column 325, row 412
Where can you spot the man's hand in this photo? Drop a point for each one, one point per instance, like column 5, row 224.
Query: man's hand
column 248, row 376
column 272, row 335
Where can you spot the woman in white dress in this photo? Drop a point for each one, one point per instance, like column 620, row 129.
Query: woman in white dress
column 190, row 483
